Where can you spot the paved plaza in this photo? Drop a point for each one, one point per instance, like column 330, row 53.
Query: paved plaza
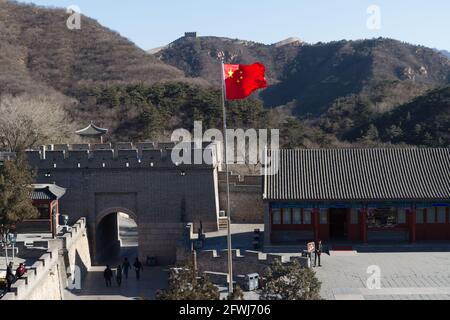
column 404, row 276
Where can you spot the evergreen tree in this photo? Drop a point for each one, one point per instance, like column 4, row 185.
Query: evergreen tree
column 237, row 294
column 154, row 122
column 394, row 133
column 15, row 189
column 371, row 134
column 290, row 282
column 185, row 285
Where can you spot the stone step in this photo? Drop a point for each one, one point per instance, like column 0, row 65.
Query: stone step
column 342, row 253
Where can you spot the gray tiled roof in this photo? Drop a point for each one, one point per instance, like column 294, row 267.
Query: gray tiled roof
column 359, row 174
column 92, row 130
column 47, row 192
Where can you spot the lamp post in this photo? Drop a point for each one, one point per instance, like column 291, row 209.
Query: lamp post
column 54, row 223
column 13, row 240
column 4, row 234
column 65, row 221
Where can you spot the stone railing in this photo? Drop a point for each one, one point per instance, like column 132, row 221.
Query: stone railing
column 36, row 274
column 246, row 263
column 43, row 279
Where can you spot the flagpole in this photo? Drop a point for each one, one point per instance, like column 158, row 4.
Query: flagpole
column 230, row 253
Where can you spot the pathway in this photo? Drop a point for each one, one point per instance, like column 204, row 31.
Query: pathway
column 152, row 278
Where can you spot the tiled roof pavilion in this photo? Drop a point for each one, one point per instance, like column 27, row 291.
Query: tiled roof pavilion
column 91, row 131
column 358, row 175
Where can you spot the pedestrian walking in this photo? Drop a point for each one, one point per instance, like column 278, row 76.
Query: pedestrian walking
column 319, row 250
column 138, row 267
column 9, row 276
column 108, row 274
column 119, row 275
column 126, row 266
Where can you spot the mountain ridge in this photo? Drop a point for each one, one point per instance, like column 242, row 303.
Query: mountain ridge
column 34, row 49
column 314, row 77
column 445, row 53
column 320, row 93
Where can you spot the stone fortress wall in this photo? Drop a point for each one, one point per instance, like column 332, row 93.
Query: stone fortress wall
column 49, row 276
column 140, row 180
column 245, row 196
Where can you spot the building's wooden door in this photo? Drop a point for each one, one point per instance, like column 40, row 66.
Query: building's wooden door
column 339, row 224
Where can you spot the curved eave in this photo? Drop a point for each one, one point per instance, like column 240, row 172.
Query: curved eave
column 92, row 130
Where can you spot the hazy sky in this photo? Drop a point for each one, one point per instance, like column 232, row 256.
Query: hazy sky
column 153, row 23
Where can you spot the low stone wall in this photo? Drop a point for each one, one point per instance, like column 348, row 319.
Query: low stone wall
column 76, row 247
column 245, row 263
column 47, row 278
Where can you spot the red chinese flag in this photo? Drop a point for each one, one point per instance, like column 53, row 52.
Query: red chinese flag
column 242, row 80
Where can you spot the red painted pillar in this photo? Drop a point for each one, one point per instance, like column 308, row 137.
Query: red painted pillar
column 316, row 225
column 364, row 225
column 50, row 215
column 412, row 226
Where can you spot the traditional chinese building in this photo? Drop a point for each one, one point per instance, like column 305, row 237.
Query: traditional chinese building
column 46, row 199
column 93, row 133
column 357, row 195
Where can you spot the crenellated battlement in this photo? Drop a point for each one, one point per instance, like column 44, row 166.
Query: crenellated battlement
column 47, row 276
column 239, row 180
column 122, row 155
column 246, row 262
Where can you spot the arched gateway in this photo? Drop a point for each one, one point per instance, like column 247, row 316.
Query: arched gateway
column 141, row 181
column 107, row 243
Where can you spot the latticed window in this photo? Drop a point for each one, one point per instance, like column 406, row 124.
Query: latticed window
column 355, row 216
column 324, row 216
column 420, row 216
column 287, row 216
column 383, row 218
column 431, row 215
column 297, row 216
column 401, row 216
column 441, row 215
column 276, row 216
column 307, row 217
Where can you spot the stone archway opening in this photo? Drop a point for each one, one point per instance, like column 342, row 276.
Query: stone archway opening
column 116, row 236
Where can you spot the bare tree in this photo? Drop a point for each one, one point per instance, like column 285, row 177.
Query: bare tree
column 27, row 121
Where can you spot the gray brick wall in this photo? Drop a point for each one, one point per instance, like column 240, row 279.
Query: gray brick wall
column 146, row 184
column 246, row 198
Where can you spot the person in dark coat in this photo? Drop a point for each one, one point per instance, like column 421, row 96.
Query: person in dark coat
column 126, row 266
column 319, row 250
column 9, row 276
column 108, row 274
column 119, row 275
column 138, row 267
